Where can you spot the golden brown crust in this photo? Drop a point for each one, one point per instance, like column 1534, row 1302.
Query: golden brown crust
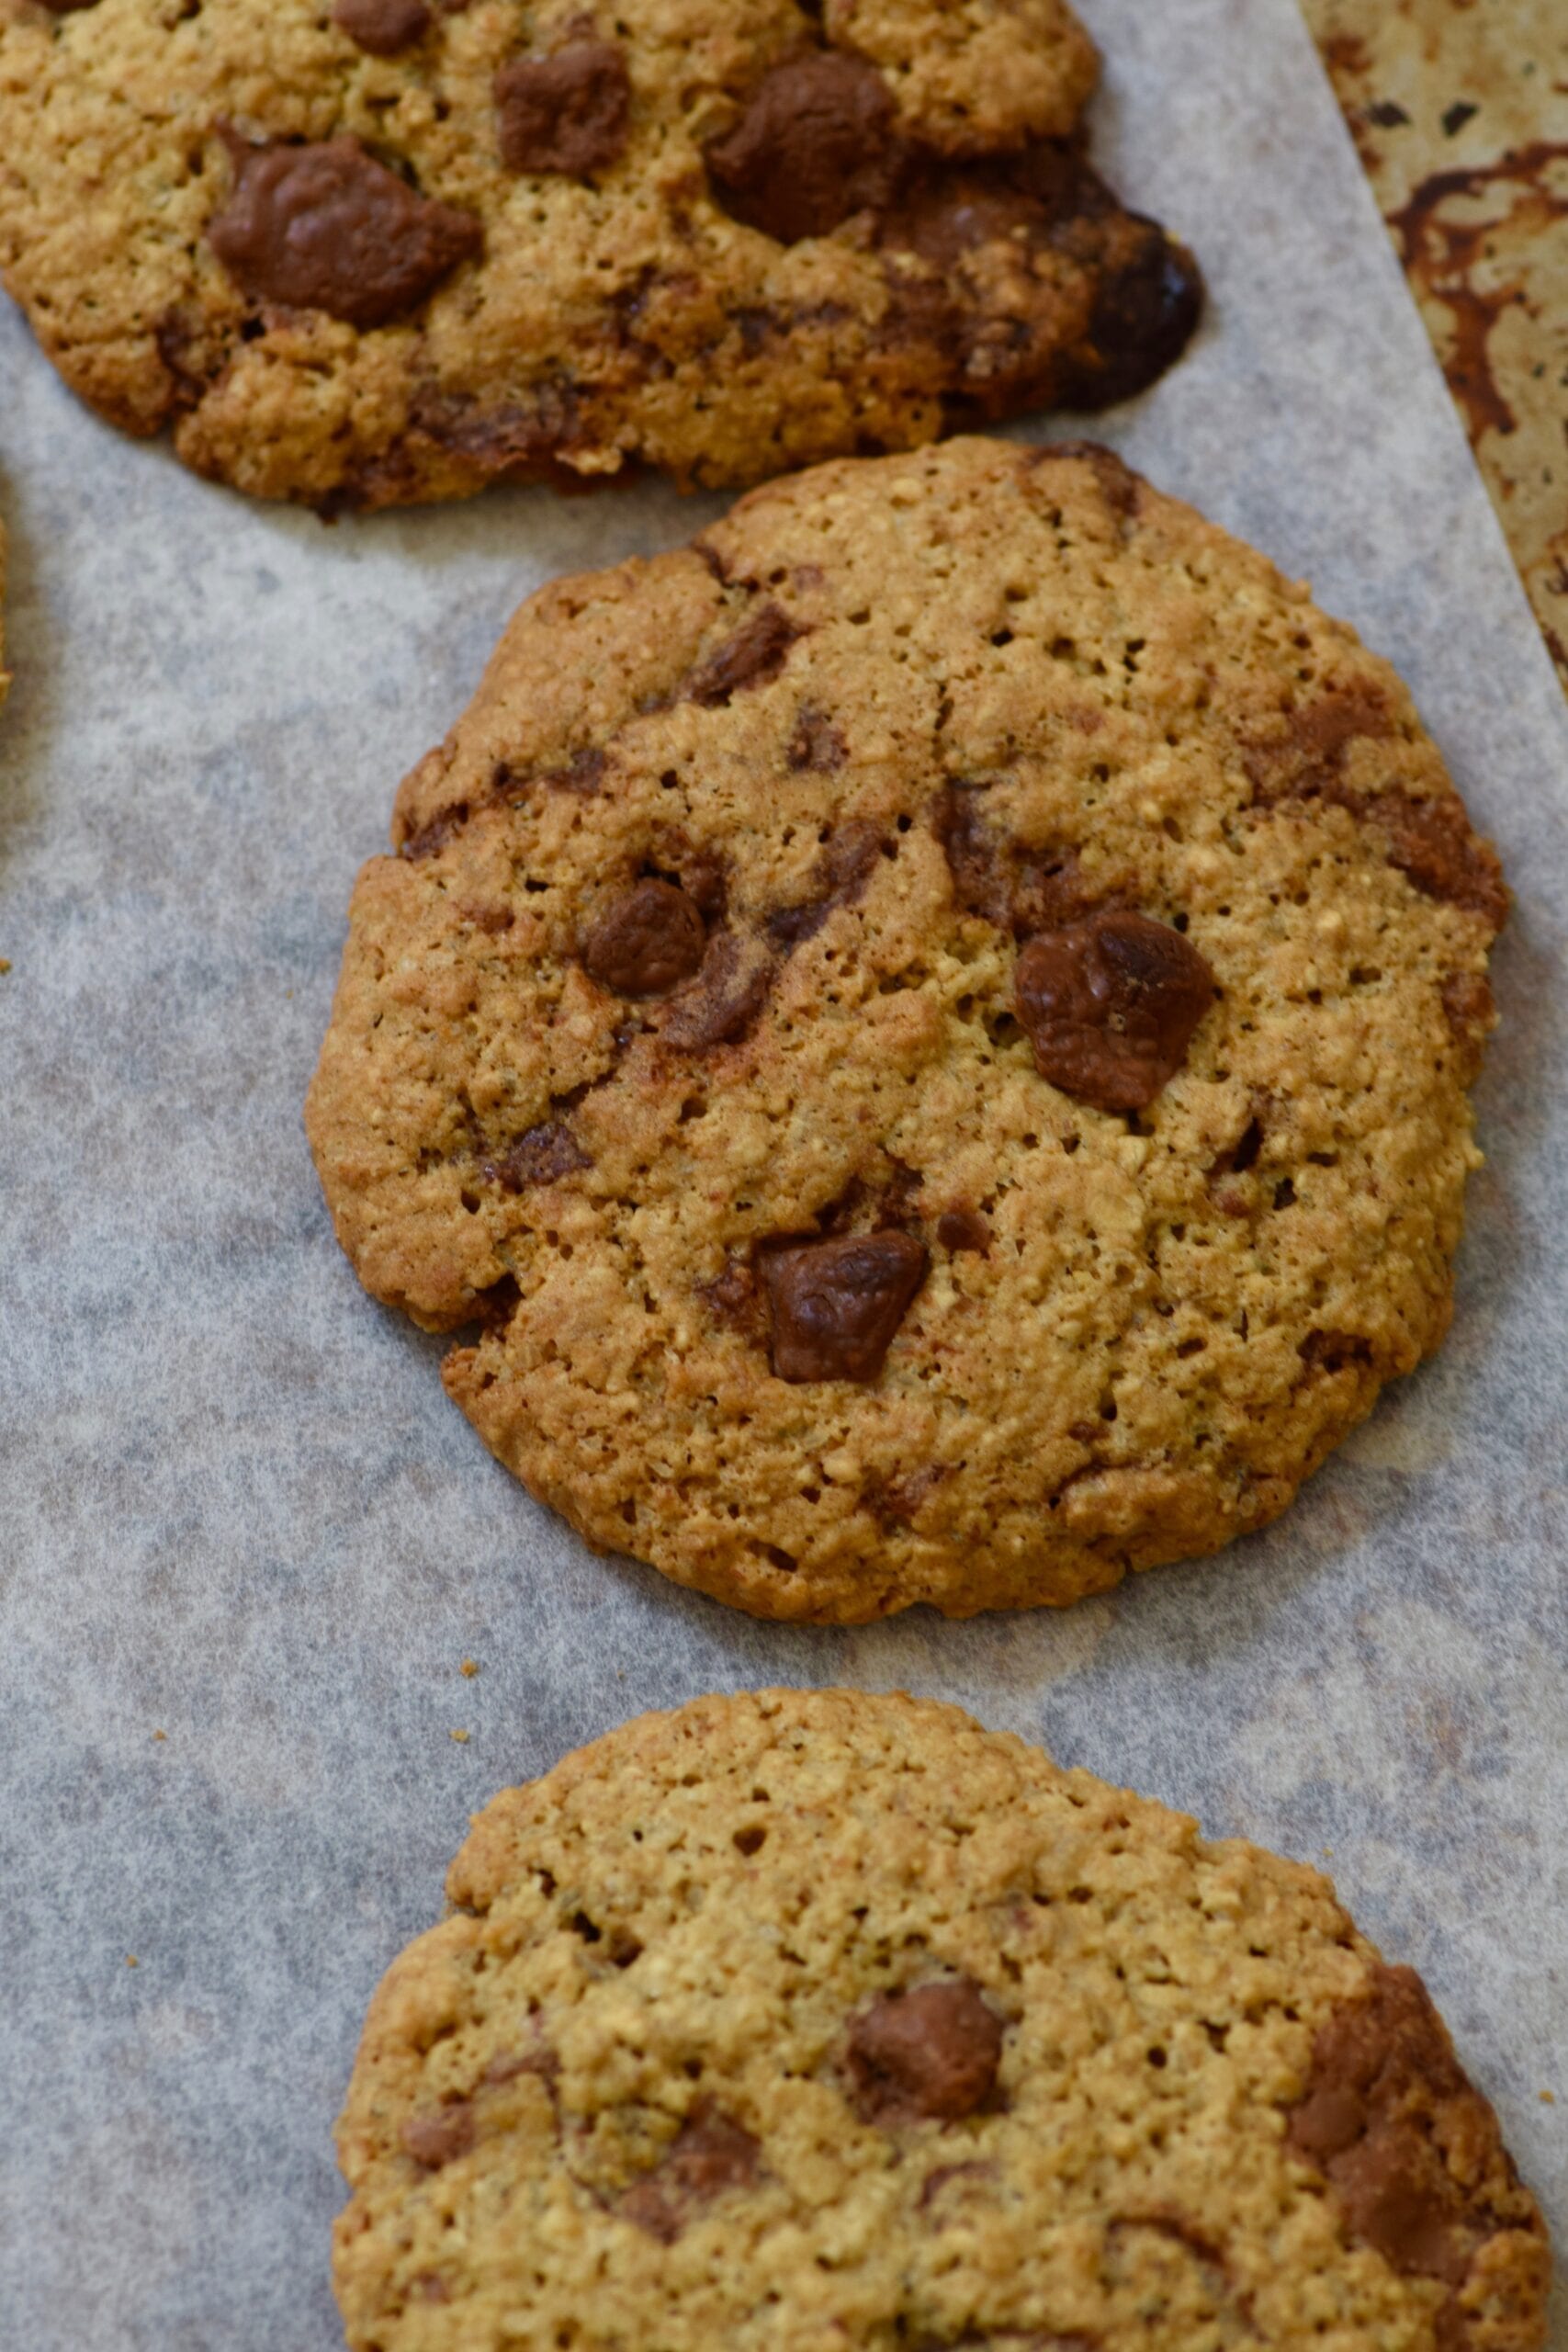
column 570, row 302
column 886, row 722
column 816, row 2019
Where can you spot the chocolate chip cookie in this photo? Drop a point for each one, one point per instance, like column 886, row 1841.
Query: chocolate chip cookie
column 926, row 1036
column 821, row 2020
column 365, row 252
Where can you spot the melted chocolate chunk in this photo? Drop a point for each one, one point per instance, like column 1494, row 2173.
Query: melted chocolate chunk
column 1411, row 2150
column 1109, row 1006
column 565, row 113
column 646, row 941
column 1433, row 846
column 844, row 871
column 728, row 993
column 1046, row 200
column 1471, row 1012
column 435, row 2140
column 1303, row 758
column 68, row 7
column 1120, row 486
column 1334, row 1351
column 733, row 1297
column 1431, row 842
column 961, row 1229
column 382, row 27
column 543, row 1156
column 836, row 1305
column 1144, row 316
column 709, row 2153
column 932, row 2051
column 327, row 227
column 1018, row 890
column 897, row 1503
column 755, row 654
column 815, row 142
column 816, row 743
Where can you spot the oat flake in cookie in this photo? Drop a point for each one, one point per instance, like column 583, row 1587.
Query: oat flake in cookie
column 803, row 2022
column 925, row 1036
column 364, row 251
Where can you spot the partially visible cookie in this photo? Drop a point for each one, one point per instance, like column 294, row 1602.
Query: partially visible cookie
column 388, row 250
column 809, row 2021
column 928, row 1032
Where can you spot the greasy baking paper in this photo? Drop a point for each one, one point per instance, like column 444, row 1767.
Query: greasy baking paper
column 245, row 1543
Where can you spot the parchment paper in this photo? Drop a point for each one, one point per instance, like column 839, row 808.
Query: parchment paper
column 236, row 1507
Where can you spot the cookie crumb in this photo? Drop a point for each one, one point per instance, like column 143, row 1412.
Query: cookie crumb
column 159, row 1734
column 469, row 1667
column 461, row 1737
column 1546, row 2099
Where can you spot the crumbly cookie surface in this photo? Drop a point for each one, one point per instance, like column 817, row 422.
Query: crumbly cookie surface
column 932, row 1031
column 387, row 250
column 815, row 2020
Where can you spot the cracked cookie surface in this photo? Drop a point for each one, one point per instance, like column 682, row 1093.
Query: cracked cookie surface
column 387, row 251
column 931, row 1032
column 798, row 2021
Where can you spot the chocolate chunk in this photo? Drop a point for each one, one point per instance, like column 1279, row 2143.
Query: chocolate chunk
column 382, row 27
column 897, row 1503
column 1018, row 889
column 1303, row 756
column 646, row 941
column 1120, row 486
column 1410, row 2148
column 191, row 355
column 435, row 2140
column 725, row 998
column 982, row 881
column 755, row 654
column 523, row 440
column 1435, row 846
column 836, row 1305
column 709, row 2153
column 565, row 113
column 68, row 7
column 961, row 1229
column 437, row 831
column 583, row 773
column 1144, row 316
column 815, row 143
column 327, row 227
column 1001, row 341
column 816, row 743
column 1472, row 1014
column 733, row 1298
column 931, row 2052
column 1109, row 1006
column 543, row 1156
column 844, row 871
column 1334, row 1351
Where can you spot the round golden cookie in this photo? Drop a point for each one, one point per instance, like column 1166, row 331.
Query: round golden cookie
column 929, row 1031
column 364, row 251
column 799, row 2022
